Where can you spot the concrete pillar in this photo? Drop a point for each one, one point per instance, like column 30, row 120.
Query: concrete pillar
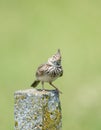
column 37, row 110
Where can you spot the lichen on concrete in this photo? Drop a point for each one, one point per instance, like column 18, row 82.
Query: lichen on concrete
column 37, row 110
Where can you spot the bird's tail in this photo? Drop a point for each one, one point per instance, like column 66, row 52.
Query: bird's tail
column 35, row 83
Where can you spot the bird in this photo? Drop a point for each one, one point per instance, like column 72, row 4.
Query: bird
column 49, row 71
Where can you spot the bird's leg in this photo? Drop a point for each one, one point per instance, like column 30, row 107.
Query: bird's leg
column 42, row 85
column 55, row 87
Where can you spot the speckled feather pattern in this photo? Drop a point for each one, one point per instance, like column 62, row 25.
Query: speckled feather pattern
column 47, row 72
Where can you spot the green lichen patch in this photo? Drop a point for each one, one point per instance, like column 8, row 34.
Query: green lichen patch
column 51, row 120
column 16, row 124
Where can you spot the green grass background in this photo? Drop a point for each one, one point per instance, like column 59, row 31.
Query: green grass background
column 30, row 32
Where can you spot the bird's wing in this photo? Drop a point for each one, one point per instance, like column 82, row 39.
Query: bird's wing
column 42, row 69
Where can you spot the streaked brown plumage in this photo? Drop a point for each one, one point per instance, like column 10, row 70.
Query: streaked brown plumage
column 49, row 71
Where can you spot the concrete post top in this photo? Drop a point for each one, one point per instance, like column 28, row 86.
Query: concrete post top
column 34, row 91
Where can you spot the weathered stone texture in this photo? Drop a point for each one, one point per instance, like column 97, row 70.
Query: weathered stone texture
column 37, row 110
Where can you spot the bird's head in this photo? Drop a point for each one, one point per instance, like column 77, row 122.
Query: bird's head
column 55, row 59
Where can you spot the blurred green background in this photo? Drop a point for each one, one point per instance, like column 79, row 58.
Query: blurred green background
column 30, row 32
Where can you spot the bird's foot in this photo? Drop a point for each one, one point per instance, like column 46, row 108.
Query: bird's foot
column 58, row 91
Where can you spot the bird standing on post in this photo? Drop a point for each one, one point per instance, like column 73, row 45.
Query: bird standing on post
column 49, row 71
